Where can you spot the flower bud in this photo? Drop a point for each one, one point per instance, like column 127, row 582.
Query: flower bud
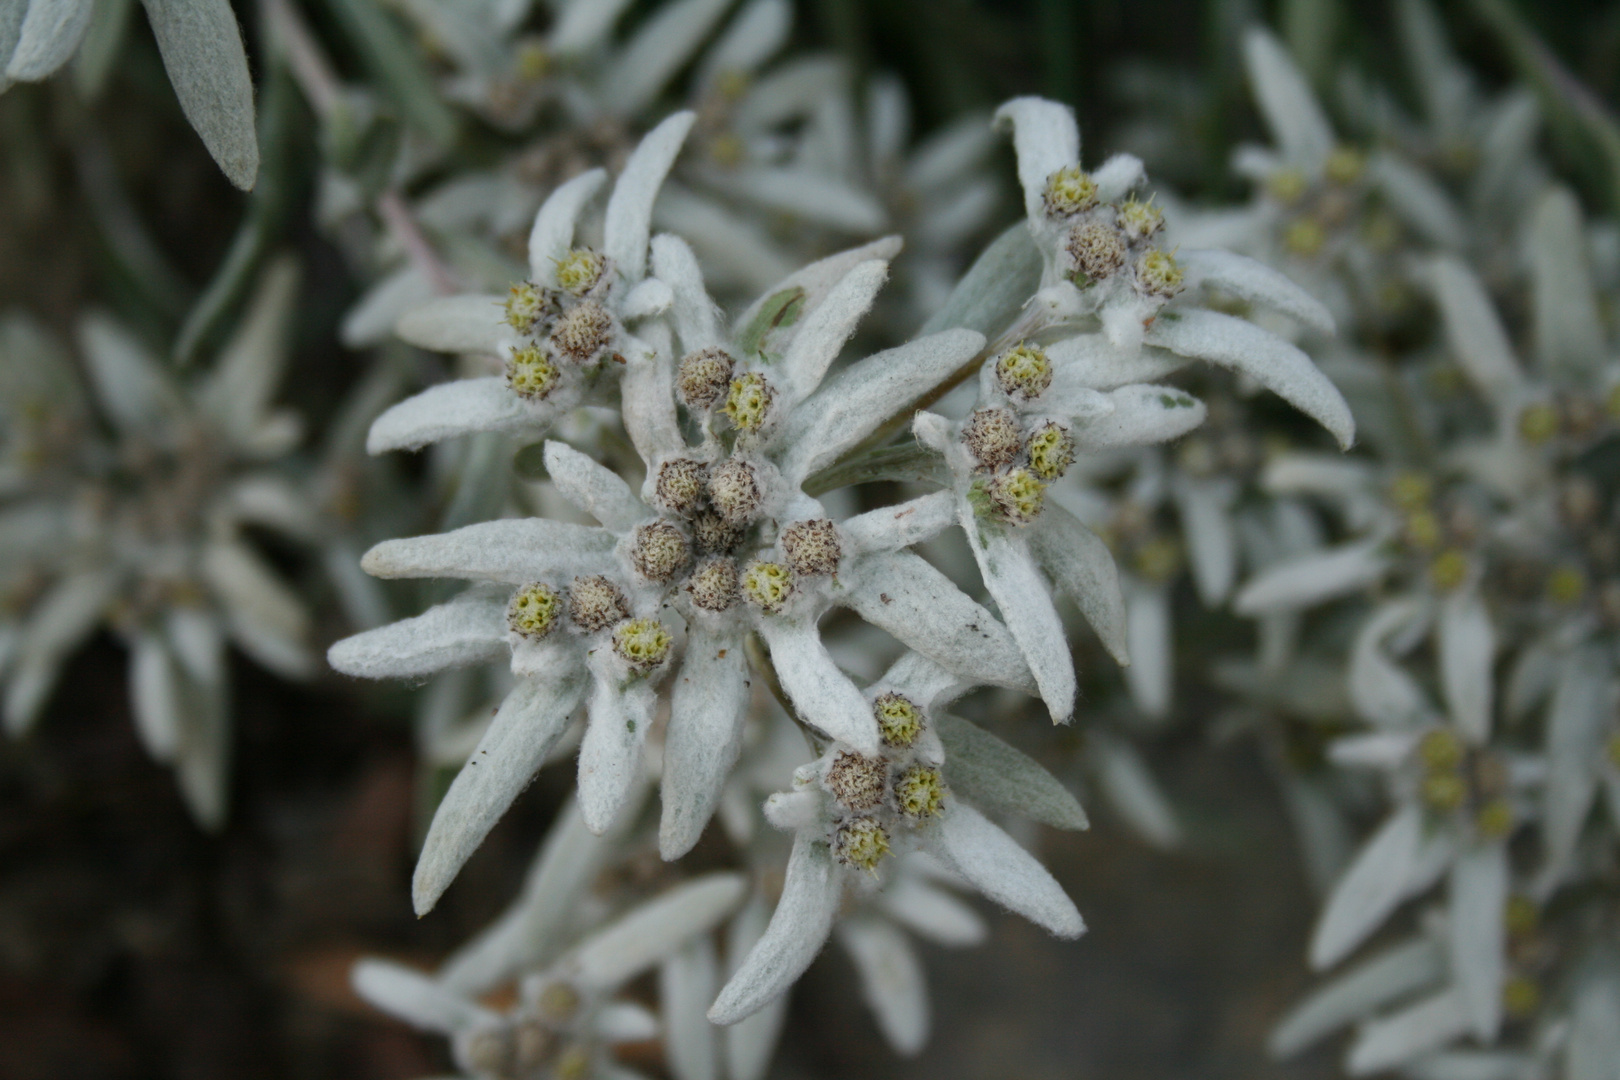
column 713, row 585
column 899, row 719
column 920, row 792
column 1158, row 274
column 748, row 402
column 734, row 491
column 526, row 305
column 680, row 485
column 993, row 437
column 1139, row 220
column 1024, row 372
column 580, row 270
column 1096, row 250
column 659, row 551
column 768, row 584
column 714, row 535
column 1051, row 451
column 862, row 843
column 1016, row 496
column 703, row 377
column 595, row 603
column 582, row 332
column 857, row 782
column 812, row 547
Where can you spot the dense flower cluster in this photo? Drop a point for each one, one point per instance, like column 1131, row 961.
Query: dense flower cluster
column 740, row 502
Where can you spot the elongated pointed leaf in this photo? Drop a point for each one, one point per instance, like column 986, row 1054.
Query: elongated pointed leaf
column 461, row 407
column 990, row 773
column 525, row 728
column 202, row 50
column 1269, row 360
column 636, row 941
column 1005, row 872
column 704, row 738
column 1081, row 564
column 811, row 889
column 1370, row 889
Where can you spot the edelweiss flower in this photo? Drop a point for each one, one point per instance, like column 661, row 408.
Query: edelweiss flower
column 145, row 531
column 1101, row 266
column 566, row 1017
column 851, row 812
column 565, row 332
column 607, row 588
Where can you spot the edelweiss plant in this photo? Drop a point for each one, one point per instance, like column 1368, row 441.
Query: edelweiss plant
column 719, row 569
column 137, row 520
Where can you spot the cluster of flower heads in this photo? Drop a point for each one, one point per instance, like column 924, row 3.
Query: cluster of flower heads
column 656, row 580
column 130, row 508
column 714, row 577
column 1451, row 583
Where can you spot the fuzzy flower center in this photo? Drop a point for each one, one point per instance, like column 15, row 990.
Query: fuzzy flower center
column 900, row 721
column 1070, row 191
column 595, row 603
column 812, row 547
column 530, row 374
column 533, row 610
column 642, row 643
column 862, row 843
column 580, row 270
column 920, row 792
column 1051, row 451
column 748, row 401
column 1024, row 372
column 768, row 584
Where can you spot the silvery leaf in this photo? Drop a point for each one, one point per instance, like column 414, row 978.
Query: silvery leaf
column 1478, row 894
column 416, row 999
column 469, row 629
column 1081, row 564
column 704, row 736
column 1568, row 329
column 686, row 984
column 1254, row 281
column 1370, row 889
column 1357, row 993
column 931, row 912
column 657, row 929
column 202, row 51
column 811, row 889
column 893, row 983
column 1268, row 359
column 1014, row 581
column 905, row 595
column 471, row 323
column 995, row 865
column 1415, row 1030
column 459, row 407
column 516, row 551
column 629, row 210
column 1133, row 793
column 990, row 773
column 552, row 234
column 1046, row 139
column 527, row 725
column 1290, row 108
column 1467, row 648
column 49, row 33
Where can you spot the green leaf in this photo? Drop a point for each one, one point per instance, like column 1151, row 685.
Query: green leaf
column 202, row 51
column 394, row 62
column 109, row 25
column 995, row 776
column 910, row 462
column 260, row 227
column 778, row 312
column 992, row 292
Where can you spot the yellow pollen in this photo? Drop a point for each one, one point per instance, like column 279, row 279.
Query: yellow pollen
column 1024, row 372
column 533, row 610
column 1566, row 585
column 1070, row 191
column 1448, row 570
column 1538, row 423
column 768, row 584
column 642, row 643
column 579, row 270
column 529, row 374
column 920, row 792
column 899, row 719
column 748, row 402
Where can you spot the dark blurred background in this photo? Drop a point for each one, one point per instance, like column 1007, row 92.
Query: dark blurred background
column 133, row 946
